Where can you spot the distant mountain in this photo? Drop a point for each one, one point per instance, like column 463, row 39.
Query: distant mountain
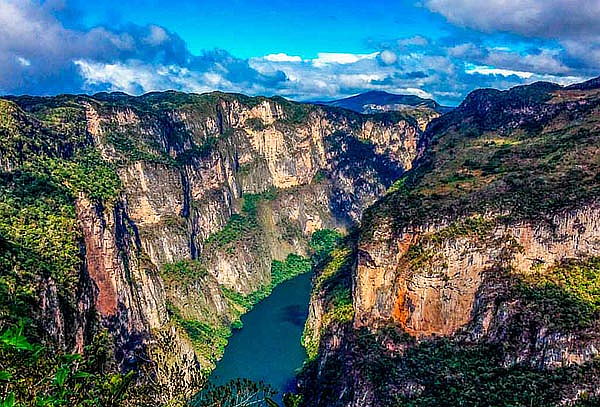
column 380, row 101
column 588, row 85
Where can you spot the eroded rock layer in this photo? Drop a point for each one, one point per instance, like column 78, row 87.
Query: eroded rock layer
column 179, row 204
column 475, row 280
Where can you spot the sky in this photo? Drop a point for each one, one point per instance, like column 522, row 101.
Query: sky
column 302, row 50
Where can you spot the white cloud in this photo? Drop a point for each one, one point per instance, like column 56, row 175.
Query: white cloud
column 417, row 40
column 388, row 57
column 540, row 18
column 413, row 91
column 130, row 79
column 488, row 70
column 282, row 57
column 23, row 61
column 157, row 36
column 326, row 58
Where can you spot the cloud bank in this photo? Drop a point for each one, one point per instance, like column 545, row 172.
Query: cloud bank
column 575, row 24
column 40, row 55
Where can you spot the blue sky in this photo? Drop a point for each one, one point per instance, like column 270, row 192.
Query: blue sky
column 301, row 50
column 253, row 28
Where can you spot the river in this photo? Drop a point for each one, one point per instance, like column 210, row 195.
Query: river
column 267, row 348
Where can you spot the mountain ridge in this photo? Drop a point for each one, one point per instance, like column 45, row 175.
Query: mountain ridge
column 380, row 99
column 463, row 284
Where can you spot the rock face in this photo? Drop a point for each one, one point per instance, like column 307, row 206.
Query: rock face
column 212, row 189
column 474, row 281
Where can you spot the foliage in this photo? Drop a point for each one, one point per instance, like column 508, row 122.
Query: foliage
column 445, row 372
column 87, row 173
column 198, row 151
column 320, row 176
column 127, row 142
column 323, row 242
column 453, row 374
column 566, row 295
column 332, row 285
column 295, row 113
column 256, row 124
column 236, row 227
column 209, row 341
column 236, row 393
column 398, row 186
column 292, row 266
column 241, row 225
column 38, row 239
column 36, row 375
column 525, row 166
column 281, row 271
column 185, row 271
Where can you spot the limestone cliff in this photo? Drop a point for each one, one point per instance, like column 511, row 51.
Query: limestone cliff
column 474, row 281
column 181, row 203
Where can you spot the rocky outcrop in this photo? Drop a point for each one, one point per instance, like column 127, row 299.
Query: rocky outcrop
column 480, row 262
column 213, row 188
column 436, row 295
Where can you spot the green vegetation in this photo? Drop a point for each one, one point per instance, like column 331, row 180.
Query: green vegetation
column 236, row 393
column 332, row 285
column 184, row 271
column 42, row 376
column 38, row 239
column 256, row 124
column 322, row 242
column 209, row 341
column 456, row 374
column 199, row 151
column 481, row 163
column 128, row 143
column 40, row 249
column 241, row 225
column 320, row 176
column 295, row 113
column 281, row 271
column 444, row 373
column 292, row 266
column 339, row 260
column 87, row 173
column 242, row 393
column 340, row 309
column 564, row 296
column 398, row 186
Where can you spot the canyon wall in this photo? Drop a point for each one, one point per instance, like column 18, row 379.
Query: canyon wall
column 475, row 279
column 207, row 190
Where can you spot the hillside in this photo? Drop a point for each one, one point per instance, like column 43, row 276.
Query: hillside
column 135, row 231
column 475, row 280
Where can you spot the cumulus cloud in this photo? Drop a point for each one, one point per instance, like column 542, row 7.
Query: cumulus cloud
column 327, row 58
column 539, row 18
column 39, row 55
column 573, row 23
column 282, row 57
column 417, row 40
column 388, row 57
column 487, row 70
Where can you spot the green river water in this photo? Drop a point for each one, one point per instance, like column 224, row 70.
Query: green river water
column 267, row 348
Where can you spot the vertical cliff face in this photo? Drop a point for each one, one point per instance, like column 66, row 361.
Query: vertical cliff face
column 475, row 280
column 180, row 203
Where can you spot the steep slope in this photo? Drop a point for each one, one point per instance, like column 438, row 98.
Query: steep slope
column 160, row 219
column 475, row 280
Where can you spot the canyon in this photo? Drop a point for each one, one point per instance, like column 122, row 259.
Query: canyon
column 474, row 280
column 178, row 207
column 468, row 273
